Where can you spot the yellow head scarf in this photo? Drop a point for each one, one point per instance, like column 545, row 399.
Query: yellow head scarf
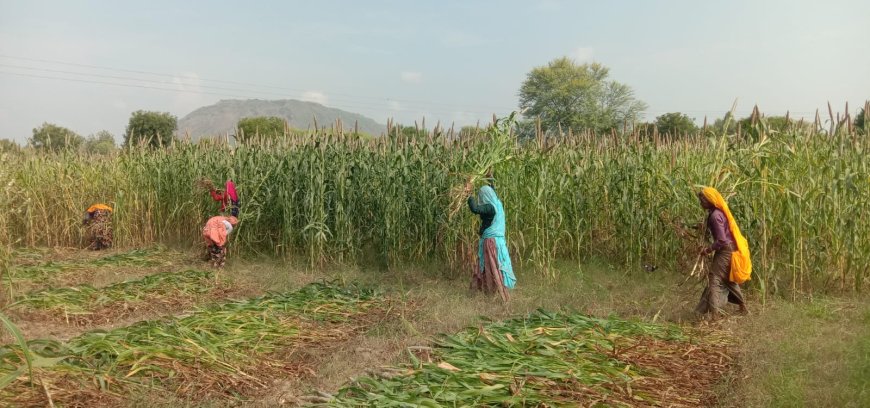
column 96, row 207
column 741, row 265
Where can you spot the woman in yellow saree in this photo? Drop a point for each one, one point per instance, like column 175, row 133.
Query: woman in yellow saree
column 731, row 264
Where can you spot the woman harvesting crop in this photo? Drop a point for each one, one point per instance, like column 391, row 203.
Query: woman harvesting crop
column 216, row 233
column 227, row 197
column 494, row 272
column 98, row 219
column 731, row 265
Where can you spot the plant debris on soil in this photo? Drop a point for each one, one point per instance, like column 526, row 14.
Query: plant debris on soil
column 86, row 302
column 227, row 349
column 550, row 360
column 138, row 258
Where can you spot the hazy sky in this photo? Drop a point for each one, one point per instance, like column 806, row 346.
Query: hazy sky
column 453, row 61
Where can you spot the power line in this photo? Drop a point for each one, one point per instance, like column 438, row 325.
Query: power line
column 129, row 85
column 355, row 101
column 167, row 75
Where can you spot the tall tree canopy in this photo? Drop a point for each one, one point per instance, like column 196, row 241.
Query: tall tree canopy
column 264, row 126
column 675, row 123
column 53, row 137
column 103, row 142
column 154, row 128
column 7, row 145
column 569, row 95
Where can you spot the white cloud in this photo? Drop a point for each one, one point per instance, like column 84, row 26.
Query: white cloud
column 316, row 97
column 396, row 106
column 584, row 54
column 411, row 77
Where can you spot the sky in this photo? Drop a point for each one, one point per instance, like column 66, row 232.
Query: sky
column 87, row 65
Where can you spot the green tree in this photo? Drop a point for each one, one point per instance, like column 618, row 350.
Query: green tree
column 154, row 128
column 752, row 128
column 264, row 126
column 55, row 138
column 526, row 130
column 578, row 97
column 718, row 126
column 645, row 128
column 7, row 145
column 102, row 142
column 675, row 123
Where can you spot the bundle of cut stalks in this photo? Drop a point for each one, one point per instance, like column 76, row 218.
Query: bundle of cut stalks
column 500, row 148
column 203, row 184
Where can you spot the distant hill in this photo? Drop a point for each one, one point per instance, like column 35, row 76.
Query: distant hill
column 221, row 118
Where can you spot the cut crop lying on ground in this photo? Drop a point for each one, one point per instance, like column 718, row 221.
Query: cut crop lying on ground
column 137, row 258
column 28, row 256
column 551, row 360
column 86, row 302
column 226, row 349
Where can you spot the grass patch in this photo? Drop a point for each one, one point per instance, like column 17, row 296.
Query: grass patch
column 810, row 353
column 223, row 349
column 551, row 360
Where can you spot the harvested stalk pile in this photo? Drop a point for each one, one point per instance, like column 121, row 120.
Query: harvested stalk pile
column 138, row 257
column 84, row 299
column 551, row 360
column 224, row 349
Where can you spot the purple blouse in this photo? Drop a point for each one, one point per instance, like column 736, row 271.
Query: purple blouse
column 717, row 224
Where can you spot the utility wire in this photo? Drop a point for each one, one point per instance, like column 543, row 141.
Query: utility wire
column 274, row 87
column 223, row 94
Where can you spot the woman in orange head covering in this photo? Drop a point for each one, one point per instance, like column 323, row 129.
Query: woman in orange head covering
column 98, row 219
column 731, row 265
column 216, row 233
